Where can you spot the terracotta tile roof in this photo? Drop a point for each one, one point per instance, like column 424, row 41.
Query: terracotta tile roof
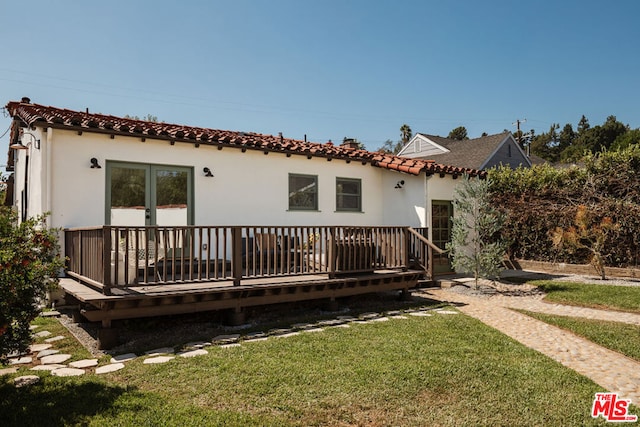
column 35, row 115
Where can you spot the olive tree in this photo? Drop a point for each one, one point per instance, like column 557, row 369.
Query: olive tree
column 475, row 246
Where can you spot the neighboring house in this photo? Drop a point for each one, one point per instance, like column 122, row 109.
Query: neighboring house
column 90, row 169
column 479, row 153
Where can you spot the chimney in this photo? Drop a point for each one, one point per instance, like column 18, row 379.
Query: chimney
column 26, row 100
column 350, row 143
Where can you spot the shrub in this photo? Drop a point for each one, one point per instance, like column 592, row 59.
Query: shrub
column 29, row 264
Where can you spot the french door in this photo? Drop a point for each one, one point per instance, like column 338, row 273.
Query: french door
column 441, row 223
column 141, row 194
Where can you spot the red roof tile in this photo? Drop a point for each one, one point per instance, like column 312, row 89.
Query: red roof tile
column 39, row 115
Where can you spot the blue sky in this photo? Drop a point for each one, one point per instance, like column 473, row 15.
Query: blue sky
column 328, row 69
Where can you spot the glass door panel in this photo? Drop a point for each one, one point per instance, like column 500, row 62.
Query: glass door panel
column 139, row 195
column 171, row 196
column 441, row 223
column 127, row 195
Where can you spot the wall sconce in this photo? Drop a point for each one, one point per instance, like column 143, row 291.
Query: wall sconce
column 207, row 172
column 399, row 184
column 20, row 146
column 94, row 163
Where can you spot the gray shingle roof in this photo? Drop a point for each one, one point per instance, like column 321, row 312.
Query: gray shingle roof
column 468, row 153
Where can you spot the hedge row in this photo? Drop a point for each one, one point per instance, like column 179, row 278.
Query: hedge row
column 537, row 200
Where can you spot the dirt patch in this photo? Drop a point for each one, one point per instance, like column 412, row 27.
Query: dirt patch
column 140, row 335
column 489, row 288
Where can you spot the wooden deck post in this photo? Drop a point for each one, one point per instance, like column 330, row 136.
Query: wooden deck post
column 331, row 253
column 106, row 259
column 405, row 251
column 430, row 263
column 236, row 255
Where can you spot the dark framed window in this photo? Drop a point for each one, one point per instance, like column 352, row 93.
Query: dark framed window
column 303, row 192
column 348, row 195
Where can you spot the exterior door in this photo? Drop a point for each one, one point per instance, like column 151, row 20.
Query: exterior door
column 139, row 194
column 441, row 223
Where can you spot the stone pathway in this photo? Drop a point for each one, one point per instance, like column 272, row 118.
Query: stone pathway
column 611, row 370
column 44, row 357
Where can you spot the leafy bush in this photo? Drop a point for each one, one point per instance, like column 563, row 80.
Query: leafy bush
column 29, row 265
column 540, row 199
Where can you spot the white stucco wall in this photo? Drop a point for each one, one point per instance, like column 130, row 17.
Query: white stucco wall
column 248, row 188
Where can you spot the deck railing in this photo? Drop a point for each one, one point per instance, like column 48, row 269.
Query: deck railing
column 115, row 257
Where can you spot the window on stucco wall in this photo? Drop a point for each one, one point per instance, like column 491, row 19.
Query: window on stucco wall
column 303, row 192
column 348, row 195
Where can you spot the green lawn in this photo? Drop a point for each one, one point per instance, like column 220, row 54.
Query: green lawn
column 622, row 298
column 620, row 337
column 440, row 370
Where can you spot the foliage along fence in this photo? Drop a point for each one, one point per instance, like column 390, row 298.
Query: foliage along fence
column 539, row 199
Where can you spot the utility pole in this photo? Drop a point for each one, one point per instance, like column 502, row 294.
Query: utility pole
column 517, row 123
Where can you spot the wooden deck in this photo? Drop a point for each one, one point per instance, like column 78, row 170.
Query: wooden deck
column 131, row 272
column 155, row 300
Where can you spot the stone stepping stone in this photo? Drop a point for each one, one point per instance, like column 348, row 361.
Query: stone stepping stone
column 160, row 351
column 255, row 339
column 331, row 322
column 123, row 358
column 8, row 371
column 369, row 315
column 380, row 319
column 54, row 339
column 68, row 372
column 34, row 348
column 51, row 367
column 109, row 368
column 55, row 358
column 446, row 312
column 197, row 344
column 347, row 318
column 254, row 335
column 314, row 330
column 394, row 313
column 50, row 313
column 420, row 314
column 341, row 326
column 158, row 359
column 193, row 353
column 303, row 326
column 84, row 363
column 220, row 339
column 290, row 334
column 33, row 327
column 234, row 344
column 47, row 352
column 42, row 334
column 26, row 380
column 21, row 360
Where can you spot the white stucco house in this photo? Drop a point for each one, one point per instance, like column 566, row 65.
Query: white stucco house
column 89, row 169
column 163, row 218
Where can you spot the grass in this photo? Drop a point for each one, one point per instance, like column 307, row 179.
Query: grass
column 440, row 370
column 69, row 345
column 621, row 298
column 616, row 336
